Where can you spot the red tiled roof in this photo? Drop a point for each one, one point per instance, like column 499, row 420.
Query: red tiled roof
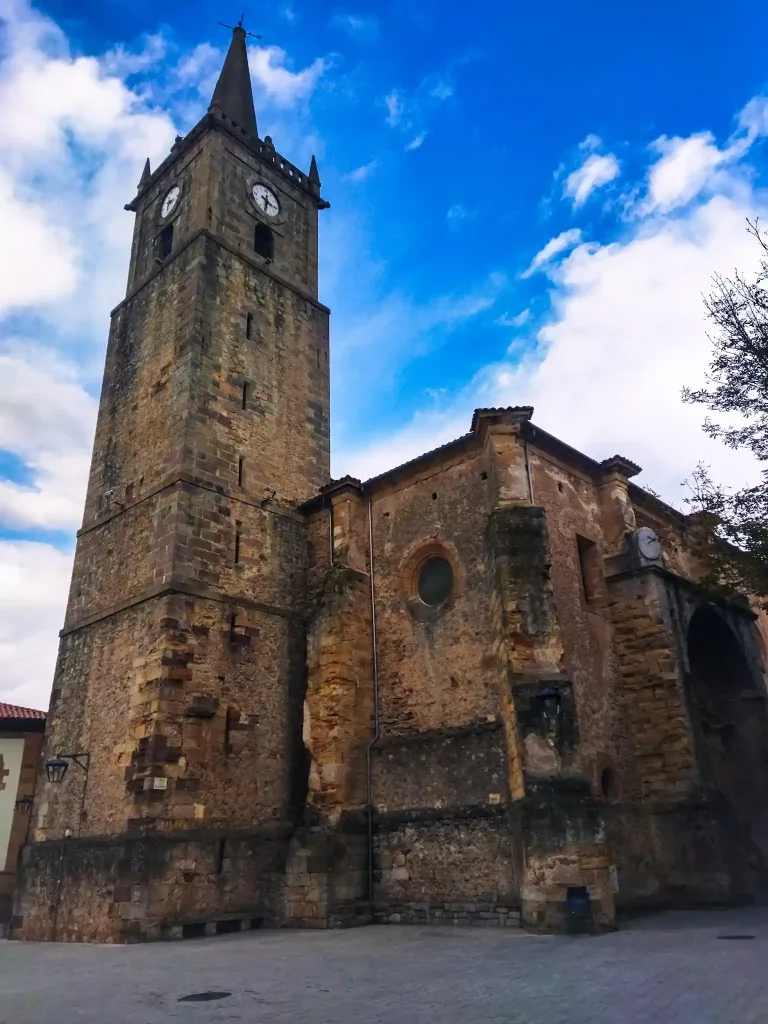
column 13, row 711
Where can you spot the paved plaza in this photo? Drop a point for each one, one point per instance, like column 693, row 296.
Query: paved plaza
column 672, row 967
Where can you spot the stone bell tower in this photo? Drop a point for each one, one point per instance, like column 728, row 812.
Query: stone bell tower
column 181, row 670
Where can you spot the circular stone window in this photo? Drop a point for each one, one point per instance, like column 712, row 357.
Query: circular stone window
column 435, row 581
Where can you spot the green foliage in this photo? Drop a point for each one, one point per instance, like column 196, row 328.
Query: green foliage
column 730, row 528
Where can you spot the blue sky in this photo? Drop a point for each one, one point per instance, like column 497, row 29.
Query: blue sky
column 527, row 204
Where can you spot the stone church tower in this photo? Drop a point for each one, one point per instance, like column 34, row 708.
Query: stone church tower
column 213, row 424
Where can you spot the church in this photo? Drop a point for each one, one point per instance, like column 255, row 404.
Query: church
column 482, row 688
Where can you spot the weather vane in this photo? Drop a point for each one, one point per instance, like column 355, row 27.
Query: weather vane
column 254, row 35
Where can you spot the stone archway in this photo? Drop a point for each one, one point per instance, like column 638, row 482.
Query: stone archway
column 728, row 710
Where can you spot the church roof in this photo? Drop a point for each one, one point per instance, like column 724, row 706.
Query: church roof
column 529, row 432
column 233, row 96
column 16, row 712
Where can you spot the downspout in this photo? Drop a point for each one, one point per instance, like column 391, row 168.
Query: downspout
column 376, row 723
column 528, row 469
column 330, row 530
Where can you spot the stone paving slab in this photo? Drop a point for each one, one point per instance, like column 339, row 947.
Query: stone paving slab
column 666, row 968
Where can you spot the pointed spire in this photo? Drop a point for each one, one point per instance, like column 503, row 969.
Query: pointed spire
column 233, row 96
column 146, row 174
column 314, row 174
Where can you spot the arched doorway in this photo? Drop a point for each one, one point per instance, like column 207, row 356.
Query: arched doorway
column 728, row 711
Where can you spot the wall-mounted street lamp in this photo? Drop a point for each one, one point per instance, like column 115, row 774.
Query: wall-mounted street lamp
column 24, row 804
column 56, row 766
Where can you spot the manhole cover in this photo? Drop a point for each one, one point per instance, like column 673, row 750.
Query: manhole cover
column 203, row 997
column 735, row 936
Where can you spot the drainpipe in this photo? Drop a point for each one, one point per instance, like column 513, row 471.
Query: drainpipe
column 330, row 530
column 528, row 469
column 376, row 723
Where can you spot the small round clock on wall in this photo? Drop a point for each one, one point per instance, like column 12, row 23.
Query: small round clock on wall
column 648, row 544
column 170, row 201
column 265, row 199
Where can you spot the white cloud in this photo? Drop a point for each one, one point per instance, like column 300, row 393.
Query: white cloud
column 441, row 89
column 457, row 213
column 565, row 240
column 684, row 167
column 37, row 258
column 394, row 104
column 362, row 172
column 409, row 112
column 590, row 142
column 627, row 328
column 627, row 332
column 124, row 62
column 358, row 26
column 374, row 336
column 416, row 142
column 74, row 140
column 753, row 119
column 505, row 320
column 283, row 86
column 47, row 421
column 34, row 581
column 688, row 167
column 597, row 170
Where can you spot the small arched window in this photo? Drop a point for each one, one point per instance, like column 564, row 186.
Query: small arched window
column 264, row 242
column 608, row 784
column 165, row 243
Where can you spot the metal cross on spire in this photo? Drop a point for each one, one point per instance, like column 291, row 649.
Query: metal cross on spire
column 232, row 28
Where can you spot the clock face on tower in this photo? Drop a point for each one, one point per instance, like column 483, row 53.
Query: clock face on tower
column 266, row 200
column 170, row 201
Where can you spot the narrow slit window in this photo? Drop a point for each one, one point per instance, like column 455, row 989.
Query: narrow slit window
column 228, row 732
column 237, row 547
column 220, row 855
column 248, row 324
column 165, row 243
column 264, row 242
column 591, row 568
column 240, row 471
column 245, row 396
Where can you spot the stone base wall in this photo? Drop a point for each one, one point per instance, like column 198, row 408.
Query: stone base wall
column 682, row 855
column 434, row 866
column 563, row 837
column 133, row 889
column 327, row 879
column 482, row 915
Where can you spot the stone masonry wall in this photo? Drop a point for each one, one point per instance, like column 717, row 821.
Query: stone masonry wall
column 444, row 769
column 124, row 889
column 212, row 711
column 338, row 711
column 650, row 674
column 572, row 511
column 438, row 870
column 434, row 672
